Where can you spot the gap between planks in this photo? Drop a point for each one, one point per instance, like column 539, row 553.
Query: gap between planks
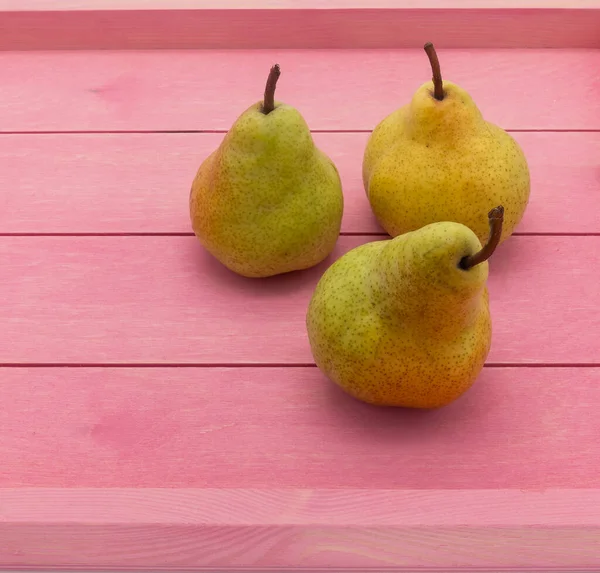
column 342, row 234
column 261, row 365
column 224, row 131
column 294, row 5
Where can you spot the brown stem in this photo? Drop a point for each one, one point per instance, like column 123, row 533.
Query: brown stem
column 269, row 101
column 496, row 218
column 438, row 85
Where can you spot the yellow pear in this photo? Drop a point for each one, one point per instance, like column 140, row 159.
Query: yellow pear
column 437, row 159
column 267, row 201
column 405, row 322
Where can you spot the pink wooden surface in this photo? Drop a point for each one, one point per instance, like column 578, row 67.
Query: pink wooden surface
column 244, row 529
column 142, row 24
column 264, row 428
column 159, row 412
column 286, row 5
column 344, row 90
column 106, row 183
column 164, row 300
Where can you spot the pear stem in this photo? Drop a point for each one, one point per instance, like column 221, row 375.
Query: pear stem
column 438, row 85
column 496, row 218
column 269, row 101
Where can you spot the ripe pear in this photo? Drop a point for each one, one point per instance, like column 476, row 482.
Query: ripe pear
column 267, row 201
column 437, row 159
column 405, row 322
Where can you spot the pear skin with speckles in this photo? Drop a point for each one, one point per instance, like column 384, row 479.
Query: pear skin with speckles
column 440, row 160
column 399, row 322
column 267, row 201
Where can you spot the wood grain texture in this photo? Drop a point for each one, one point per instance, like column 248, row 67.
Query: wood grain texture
column 531, row 429
column 334, row 89
column 301, row 529
column 164, row 300
column 244, row 456
column 145, row 24
column 126, row 5
column 139, row 183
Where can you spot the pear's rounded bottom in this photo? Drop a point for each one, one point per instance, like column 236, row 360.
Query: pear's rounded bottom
column 413, row 404
column 249, row 269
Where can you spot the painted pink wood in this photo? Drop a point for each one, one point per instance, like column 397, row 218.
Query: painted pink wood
column 274, row 468
column 333, row 89
column 426, row 508
column 139, row 183
column 290, row 24
column 123, row 5
column 301, row 530
column 529, row 429
column 164, row 300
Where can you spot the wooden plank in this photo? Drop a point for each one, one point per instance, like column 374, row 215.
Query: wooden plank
column 164, row 300
column 139, row 183
column 284, row 470
column 126, row 5
column 301, row 530
column 143, row 24
column 531, row 429
column 333, row 89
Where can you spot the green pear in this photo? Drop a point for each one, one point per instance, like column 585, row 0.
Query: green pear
column 405, row 322
column 267, row 201
column 437, row 159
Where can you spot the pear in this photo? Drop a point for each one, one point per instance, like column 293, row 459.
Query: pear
column 405, row 322
column 437, row 159
column 267, row 201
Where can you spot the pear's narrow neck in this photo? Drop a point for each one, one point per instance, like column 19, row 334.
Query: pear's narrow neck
column 441, row 301
column 449, row 120
column 439, row 128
